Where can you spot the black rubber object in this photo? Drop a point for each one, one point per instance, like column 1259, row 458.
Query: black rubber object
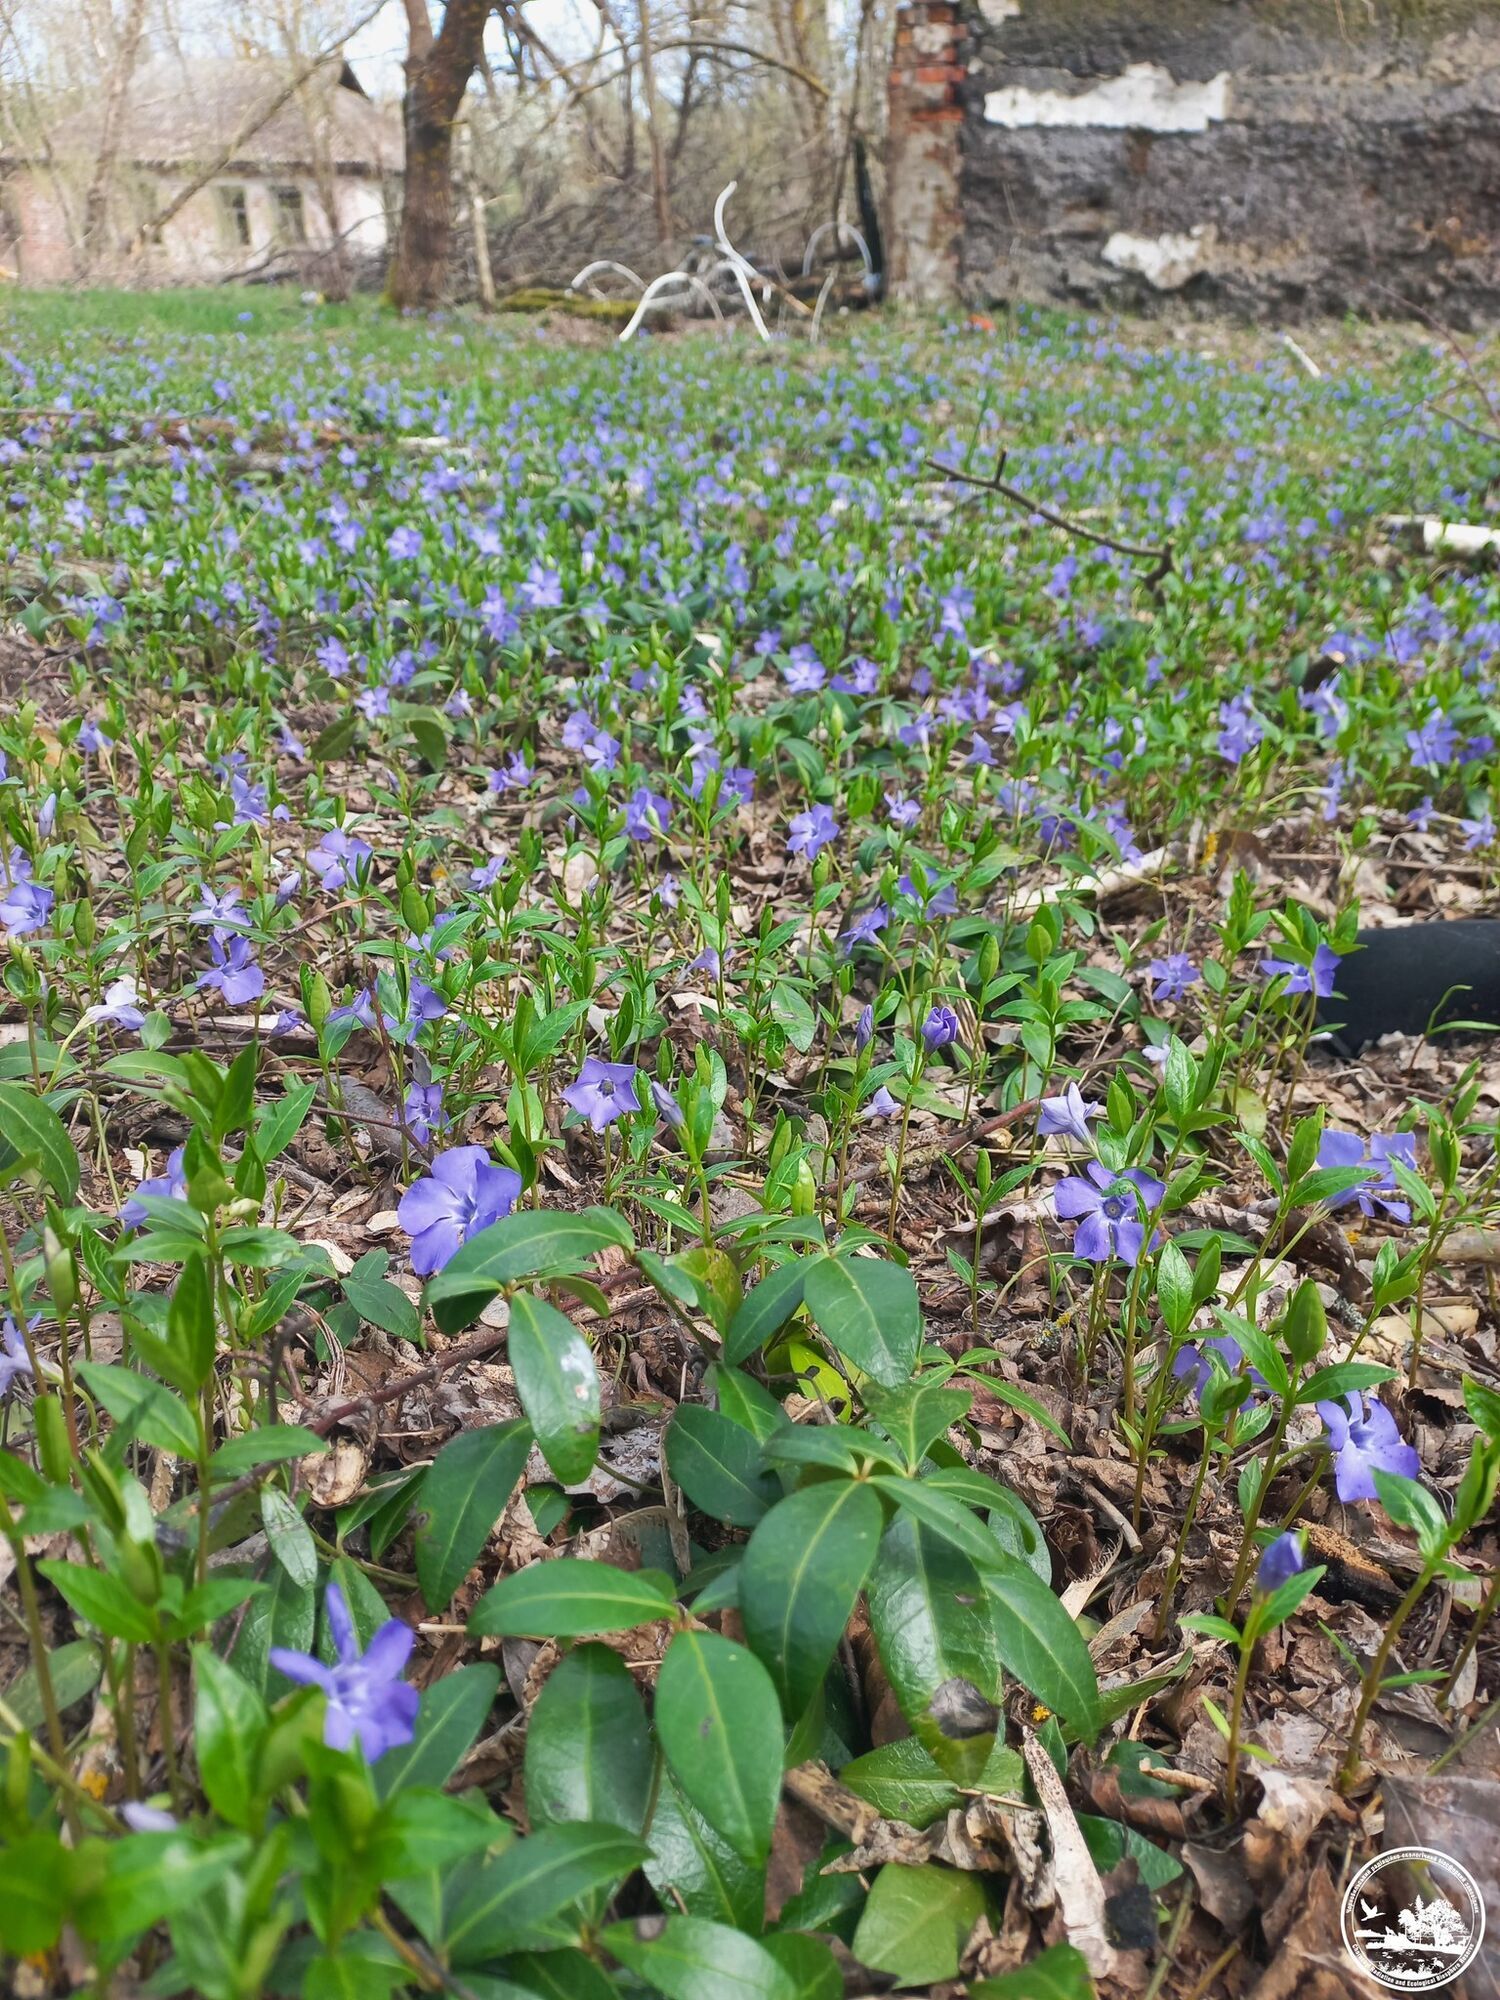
column 1413, row 976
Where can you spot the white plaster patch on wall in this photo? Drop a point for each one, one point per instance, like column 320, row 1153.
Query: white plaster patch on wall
column 1165, row 262
column 996, row 11
column 1146, row 98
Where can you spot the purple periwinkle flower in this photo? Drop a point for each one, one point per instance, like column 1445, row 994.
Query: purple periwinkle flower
column 368, row 1702
column 647, row 814
column 234, row 970
column 542, row 590
column 804, row 672
column 338, row 860
column 225, row 913
column 864, row 1028
column 514, row 775
column 362, row 1008
column 464, row 1193
column 1173, row 975
column 903, row 812
column 1280, row 1561
column 1363, row 1437
column 737, row 787
column 1192, row 1359
column 603, row 1092
column 1382, row 1189
column 1118, row 827
column 1240, row 728
column 881, row 1104
column 422, row 1112
column 1067, row 1116
column 15, row 1362
column 811, row 831
column 940, row 1029
column 1478, row 832
column 938, row 899
column 863, row 677
column 1107, row 1212
column 1434, row 744
column 667, row 1104
column 1316, row 977
column 424, row 1003
column 250, row 803
column 170, row 1186
column 120, row 1007
column 1328, row 705
column 1421, row 816
column 24, row 904
column 865, row 927
column 957, row 607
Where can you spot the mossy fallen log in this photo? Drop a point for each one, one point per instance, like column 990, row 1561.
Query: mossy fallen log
column 545, row 298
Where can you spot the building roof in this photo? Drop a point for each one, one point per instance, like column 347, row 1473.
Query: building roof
column 186, row 112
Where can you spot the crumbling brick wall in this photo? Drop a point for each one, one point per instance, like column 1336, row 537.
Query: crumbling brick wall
column 1281, row 155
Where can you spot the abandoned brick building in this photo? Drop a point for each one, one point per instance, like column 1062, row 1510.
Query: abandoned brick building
column 1283, row 155
column 290, row 163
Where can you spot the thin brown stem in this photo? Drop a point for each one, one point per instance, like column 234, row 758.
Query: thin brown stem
column 1160, row 557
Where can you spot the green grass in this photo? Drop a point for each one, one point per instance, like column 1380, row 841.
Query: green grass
column 216, row 310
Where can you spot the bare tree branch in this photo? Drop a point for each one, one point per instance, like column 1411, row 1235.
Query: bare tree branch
column 96, row 200
column 418, row 30
column 659, row 196
column 1161, row 557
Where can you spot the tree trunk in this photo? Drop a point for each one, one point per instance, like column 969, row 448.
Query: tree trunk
column 436, row 79
column 420, row 266
column 660, row 198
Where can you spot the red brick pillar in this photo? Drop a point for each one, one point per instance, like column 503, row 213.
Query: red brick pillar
column 923, row 150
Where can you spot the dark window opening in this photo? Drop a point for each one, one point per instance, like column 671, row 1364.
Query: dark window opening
column 234, row 217
column 291, row 218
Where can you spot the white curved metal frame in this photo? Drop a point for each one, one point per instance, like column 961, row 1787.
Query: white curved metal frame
column 744, row 270
column 815, row 330
column 730, row 263
column 652, row 296
column 842, row 229
column 600, row 264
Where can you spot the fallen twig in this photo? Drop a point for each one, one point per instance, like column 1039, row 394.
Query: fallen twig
column 955, row 1143
column 1161, row 558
